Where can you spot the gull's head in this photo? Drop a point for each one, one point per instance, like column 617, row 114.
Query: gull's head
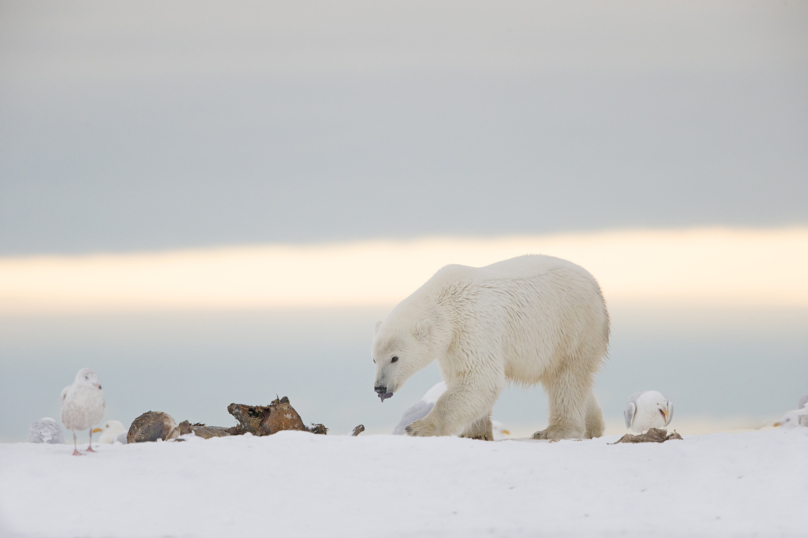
column 87, row 376
column 654, row 402
column 112, row 427
column 499, row 428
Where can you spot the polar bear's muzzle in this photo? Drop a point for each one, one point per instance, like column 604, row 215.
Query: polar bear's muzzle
column 383, row 394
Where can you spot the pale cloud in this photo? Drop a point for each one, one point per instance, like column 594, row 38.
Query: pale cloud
column 98, row 42
column 144, row 126
column 710, row 267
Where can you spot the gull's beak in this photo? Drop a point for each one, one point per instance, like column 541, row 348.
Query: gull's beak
column 778, row 424
column 506, row 432
column 664, row 414
column 96, row 430
column 96, row 385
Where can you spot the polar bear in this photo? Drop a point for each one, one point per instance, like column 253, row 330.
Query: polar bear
column 527, row 320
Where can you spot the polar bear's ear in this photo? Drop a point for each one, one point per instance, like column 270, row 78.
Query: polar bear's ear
column 378, row 324
column 422, row 329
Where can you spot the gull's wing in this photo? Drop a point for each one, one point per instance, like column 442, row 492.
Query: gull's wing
column 803, row 401
column 37, row 434
column 64, row 395
column 803, row 420
column 122, row 438
column 416, row 412
column 631, row 408
column 434, row 393
column 628, row 413
column 670, row 413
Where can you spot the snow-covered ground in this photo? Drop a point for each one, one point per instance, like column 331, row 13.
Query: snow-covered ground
column 298, row 484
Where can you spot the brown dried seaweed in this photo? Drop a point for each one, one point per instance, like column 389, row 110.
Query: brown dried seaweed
column 203, row 431
column 654, row 435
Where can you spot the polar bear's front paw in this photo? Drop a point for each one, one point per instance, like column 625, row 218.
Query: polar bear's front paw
column 422, row 428
column 481, row 430
column 556, row 434
column 545, row 434
column 480, row 437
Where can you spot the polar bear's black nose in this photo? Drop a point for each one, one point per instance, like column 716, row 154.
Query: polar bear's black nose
column 381, row 390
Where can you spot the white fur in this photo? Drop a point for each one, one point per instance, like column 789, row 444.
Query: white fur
column 531, row 319
column 420, row 409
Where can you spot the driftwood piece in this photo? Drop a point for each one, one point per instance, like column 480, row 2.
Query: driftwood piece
column 654, row 435
column 265, row 420
column 151, row 426
column 359, row 429
column 205, row 432
column 249, row 417
column 258, row 420
column 282, row 417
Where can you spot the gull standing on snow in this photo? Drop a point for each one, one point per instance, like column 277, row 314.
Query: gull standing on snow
column 82, row 405
column 647, row 409
column 112, row 431
column 46, row 430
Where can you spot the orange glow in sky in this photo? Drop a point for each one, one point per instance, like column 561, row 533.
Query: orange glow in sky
column 711, row 267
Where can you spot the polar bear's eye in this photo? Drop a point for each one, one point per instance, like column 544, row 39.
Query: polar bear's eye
column 394, row 359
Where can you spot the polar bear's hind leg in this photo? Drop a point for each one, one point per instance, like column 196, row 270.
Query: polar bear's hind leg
column 594, row 418
column 568, row 393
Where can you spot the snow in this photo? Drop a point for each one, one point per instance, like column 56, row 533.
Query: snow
column 299, row 484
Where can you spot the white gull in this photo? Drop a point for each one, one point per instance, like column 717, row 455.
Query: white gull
column 47, row 431
column 111, row 432
column 647, row 409
column 82, row 405
column 793, row 419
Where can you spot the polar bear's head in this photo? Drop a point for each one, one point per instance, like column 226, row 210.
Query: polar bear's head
column 401, row 348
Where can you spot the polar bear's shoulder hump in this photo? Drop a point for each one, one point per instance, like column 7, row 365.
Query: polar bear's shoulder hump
column 519, row 267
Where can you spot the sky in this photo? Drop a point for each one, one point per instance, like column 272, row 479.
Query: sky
column 215, row 201
column 140, row 126
column 694, row 267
